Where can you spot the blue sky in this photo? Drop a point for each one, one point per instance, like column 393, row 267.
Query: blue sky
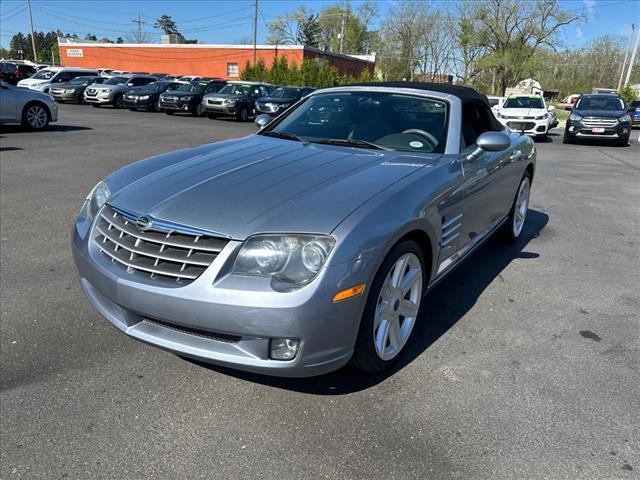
column 227, row 21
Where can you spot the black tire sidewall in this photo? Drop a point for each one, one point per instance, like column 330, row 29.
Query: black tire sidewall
column 507, row 230
column 25, row 123
column 365, row 356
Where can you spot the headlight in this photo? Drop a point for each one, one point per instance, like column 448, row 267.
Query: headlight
column 574, row 117
column 292, row 259
column 96, row 199
column 230, row 100
column 143, row 97
column 284, row 105
column 69, row 90
column 624, row 119
column 187, row 98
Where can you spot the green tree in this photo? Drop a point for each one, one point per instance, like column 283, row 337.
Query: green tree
column 90, row 36
column 628, row 93
column 119, row 40
column 166, row 24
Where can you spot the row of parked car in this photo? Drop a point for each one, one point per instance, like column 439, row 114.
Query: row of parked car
column 199, row 96
column 597, row 116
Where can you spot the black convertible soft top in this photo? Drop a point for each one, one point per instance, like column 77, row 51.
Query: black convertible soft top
column 463, row 93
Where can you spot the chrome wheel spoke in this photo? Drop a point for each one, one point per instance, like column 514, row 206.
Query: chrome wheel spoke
column 408, row 309
column 381, row 337
column 395, row 338
column 398, row 271
column 409, row 281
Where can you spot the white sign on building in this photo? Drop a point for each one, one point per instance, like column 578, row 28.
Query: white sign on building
column 75, row 52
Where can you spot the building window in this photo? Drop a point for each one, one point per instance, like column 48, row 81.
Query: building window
column 232, row 69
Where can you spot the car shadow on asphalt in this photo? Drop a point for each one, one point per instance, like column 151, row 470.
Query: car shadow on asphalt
column 50, row 128
column 446, row 304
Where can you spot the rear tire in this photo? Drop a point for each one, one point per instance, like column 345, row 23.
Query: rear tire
column 169, row 112
column 397, row 288
column 198, row 110
column 35, row 116
column 512, row 228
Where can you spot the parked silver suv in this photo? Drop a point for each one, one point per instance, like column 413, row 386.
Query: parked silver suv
column 33, row 109
column 112, row 91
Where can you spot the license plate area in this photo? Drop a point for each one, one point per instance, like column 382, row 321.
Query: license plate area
column 597, row 130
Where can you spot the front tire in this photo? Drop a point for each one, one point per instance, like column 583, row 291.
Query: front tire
column 622, row 142
column 198, row 110
column 35, row 116
column 118, row 101
column 243, row 115
column 392, row 308
column 512, row 228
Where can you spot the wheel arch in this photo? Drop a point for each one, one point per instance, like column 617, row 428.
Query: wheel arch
column 36, row 102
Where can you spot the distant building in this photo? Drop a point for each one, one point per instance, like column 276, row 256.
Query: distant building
column 224, row 61
column 433, row 78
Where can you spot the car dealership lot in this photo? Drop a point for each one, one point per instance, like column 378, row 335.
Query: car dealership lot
column 525, row 363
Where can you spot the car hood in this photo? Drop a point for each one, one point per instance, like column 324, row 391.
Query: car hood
column 222, row 96
column 174, row 93
column 122, row 86
column 66, row 85
column 522, row 112
column 261, row 184
column 600, row 113
column 277, row 101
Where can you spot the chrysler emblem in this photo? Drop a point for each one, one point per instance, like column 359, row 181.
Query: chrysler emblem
column 144, row 223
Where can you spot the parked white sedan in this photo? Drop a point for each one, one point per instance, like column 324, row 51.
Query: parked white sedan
column 33, row 109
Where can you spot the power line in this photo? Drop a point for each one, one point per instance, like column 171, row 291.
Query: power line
column 22, row 9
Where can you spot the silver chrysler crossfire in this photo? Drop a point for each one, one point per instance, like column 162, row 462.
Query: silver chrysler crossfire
column 312, row 242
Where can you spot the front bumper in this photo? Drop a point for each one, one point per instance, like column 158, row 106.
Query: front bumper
column 99, row 98
column 577, row 130
column 528, row 126
column 226, row 305
column 136, row 102
column 64, row 96
column 176, row 106
column 227, row 109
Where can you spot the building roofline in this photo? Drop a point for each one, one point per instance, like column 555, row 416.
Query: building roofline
column 66, row 42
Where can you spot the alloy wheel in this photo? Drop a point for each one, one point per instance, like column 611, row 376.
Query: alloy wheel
column 521, row 207
column 36, row 117
column 397, row 307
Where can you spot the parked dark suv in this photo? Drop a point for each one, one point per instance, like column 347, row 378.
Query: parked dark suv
column 598, row 117
column 237, row 99
column 281, row 99
column 13, row 72
column 634, row 112
column 148, row 97
column 73, row 90
column 188, row 97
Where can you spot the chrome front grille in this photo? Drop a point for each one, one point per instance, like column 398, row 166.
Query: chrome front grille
column 179, row 256
column 214, row 102
column 595, row 122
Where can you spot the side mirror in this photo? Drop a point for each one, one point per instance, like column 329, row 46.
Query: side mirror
column 263, row 120
column 490, row 142
column 551, row 108
column 569, row 108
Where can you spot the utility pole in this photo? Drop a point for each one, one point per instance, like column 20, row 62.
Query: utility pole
column 139, row 22
column 33, row 39
column 632, row 59
column 255, row 29
column 626, row 55
column 342, row 31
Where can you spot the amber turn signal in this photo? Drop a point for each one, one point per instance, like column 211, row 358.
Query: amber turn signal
column 349, row 293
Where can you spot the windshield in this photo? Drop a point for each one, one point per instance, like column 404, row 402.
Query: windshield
column 600, row 103
column 285, row 93
column 82, row 80
column 523, row 102
column 391, row 121
column 191, row 87
column 44, row 74
column 116, row 81
column 156, row 86
column 234, row 89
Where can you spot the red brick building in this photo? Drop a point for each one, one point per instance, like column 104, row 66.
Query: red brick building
column 225, row 61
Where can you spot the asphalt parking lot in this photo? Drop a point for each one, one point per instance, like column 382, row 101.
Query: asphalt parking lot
column 525, row 364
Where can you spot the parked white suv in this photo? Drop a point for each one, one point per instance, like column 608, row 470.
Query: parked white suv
column 525, row 113
column 44, row 78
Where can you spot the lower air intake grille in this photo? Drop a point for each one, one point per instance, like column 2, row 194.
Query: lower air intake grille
column 219, row 337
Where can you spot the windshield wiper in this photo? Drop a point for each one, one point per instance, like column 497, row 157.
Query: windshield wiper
column 351, row 143
column 287, row 135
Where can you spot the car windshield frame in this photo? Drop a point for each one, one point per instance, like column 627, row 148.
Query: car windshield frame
column 83, row 80
column 236, row 89
column 283, row 90
column 117, row 80
column 194, row 87
column 282, row 126
column 44, row 74
column 584, row 103
column 509, row 102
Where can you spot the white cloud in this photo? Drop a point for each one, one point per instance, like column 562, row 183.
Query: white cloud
column 590, row 8
column 578, row 32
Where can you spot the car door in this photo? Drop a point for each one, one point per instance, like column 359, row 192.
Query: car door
column 8, row 103
column 485, row 185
